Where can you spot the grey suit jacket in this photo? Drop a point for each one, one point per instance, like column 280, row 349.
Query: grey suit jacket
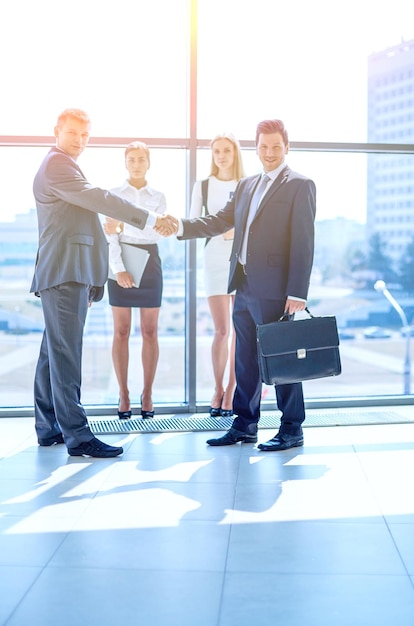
column 281, row 236
column 72, row 244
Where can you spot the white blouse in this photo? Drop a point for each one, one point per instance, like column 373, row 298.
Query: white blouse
column 147, row 198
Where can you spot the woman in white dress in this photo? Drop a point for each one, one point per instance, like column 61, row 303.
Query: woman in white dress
column 226, row 171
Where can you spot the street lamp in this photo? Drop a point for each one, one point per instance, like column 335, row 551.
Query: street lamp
column 380, row 285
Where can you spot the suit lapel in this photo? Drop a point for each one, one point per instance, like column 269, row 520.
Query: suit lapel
column 242, row 213
column 247, row 195
column 274, row 188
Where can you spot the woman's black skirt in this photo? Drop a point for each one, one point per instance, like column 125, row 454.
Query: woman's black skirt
column 149, row 293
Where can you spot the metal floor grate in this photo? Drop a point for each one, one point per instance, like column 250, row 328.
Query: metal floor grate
column 193, row 423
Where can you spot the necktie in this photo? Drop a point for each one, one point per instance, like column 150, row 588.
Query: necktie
column 257, row 196
column 254, row 205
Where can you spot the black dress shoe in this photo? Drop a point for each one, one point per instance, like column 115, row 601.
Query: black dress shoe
column 97, row 448
column 50, row 441
column 231, row 437
column 281, row 442
column 226, row 412
column 215, row 412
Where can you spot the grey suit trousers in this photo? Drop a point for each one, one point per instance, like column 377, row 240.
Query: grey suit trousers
column 58, row 374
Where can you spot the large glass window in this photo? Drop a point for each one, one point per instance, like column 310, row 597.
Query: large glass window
column 337, row 74
column 347, row 265
column 304, row 62
column 124, row 62
column 21, row 319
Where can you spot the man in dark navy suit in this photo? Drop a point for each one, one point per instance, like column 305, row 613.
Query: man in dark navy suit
column 273, row 215
column 71, row 270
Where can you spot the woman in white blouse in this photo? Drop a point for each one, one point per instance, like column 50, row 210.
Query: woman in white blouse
column 123, row 293
column 225, row 172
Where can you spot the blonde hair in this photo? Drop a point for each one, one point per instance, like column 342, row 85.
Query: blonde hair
column 76, row 114
column 238, row 169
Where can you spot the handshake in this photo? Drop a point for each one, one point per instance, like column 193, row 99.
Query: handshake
column 165, row 225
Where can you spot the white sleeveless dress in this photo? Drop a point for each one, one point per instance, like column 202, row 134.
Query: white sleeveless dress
column 217, row 251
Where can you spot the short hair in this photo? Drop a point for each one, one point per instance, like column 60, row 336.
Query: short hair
column 238, row 169
column 77, row 114
column 137, row 145
column 272, row 126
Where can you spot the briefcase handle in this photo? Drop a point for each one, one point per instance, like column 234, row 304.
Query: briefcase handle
column 285, row 317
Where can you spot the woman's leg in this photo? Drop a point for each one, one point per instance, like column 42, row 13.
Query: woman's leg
column 120, row 353
column 150, row 353
column 220, row 312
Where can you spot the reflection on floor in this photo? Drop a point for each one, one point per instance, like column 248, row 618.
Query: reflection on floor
column 175, row 533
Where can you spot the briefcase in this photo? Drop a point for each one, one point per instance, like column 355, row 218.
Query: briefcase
column 291, row 351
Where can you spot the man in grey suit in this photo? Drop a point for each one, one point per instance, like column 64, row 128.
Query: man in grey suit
column 273, row 215
column 71, row 270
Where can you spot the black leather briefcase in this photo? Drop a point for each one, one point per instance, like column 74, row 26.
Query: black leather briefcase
column 291, row 351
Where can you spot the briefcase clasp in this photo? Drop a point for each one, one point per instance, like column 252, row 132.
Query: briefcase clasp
column 301, row 353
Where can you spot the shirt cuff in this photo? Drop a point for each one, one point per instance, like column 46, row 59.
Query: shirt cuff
column 117, row 268
column 180, row 228
column 296, row 298
column 151, row 219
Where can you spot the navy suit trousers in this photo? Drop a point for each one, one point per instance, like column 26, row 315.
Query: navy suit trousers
column 248, row 312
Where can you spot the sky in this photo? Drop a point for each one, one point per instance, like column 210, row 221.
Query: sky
column 305, row 62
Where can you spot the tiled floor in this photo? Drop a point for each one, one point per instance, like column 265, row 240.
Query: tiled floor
column 178, row 533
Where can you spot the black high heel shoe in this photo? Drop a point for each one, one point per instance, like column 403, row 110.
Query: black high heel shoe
column 226, row 412
column 215, row 412
column 124, row 415
column 146, row 414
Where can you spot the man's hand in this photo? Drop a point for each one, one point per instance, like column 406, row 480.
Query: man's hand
column 112, row 226
column 166, row 225
column 229, row 234
column 294, row 306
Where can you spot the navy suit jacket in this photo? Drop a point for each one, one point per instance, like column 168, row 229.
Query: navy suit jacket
column 281, row 236
column 72, row 244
